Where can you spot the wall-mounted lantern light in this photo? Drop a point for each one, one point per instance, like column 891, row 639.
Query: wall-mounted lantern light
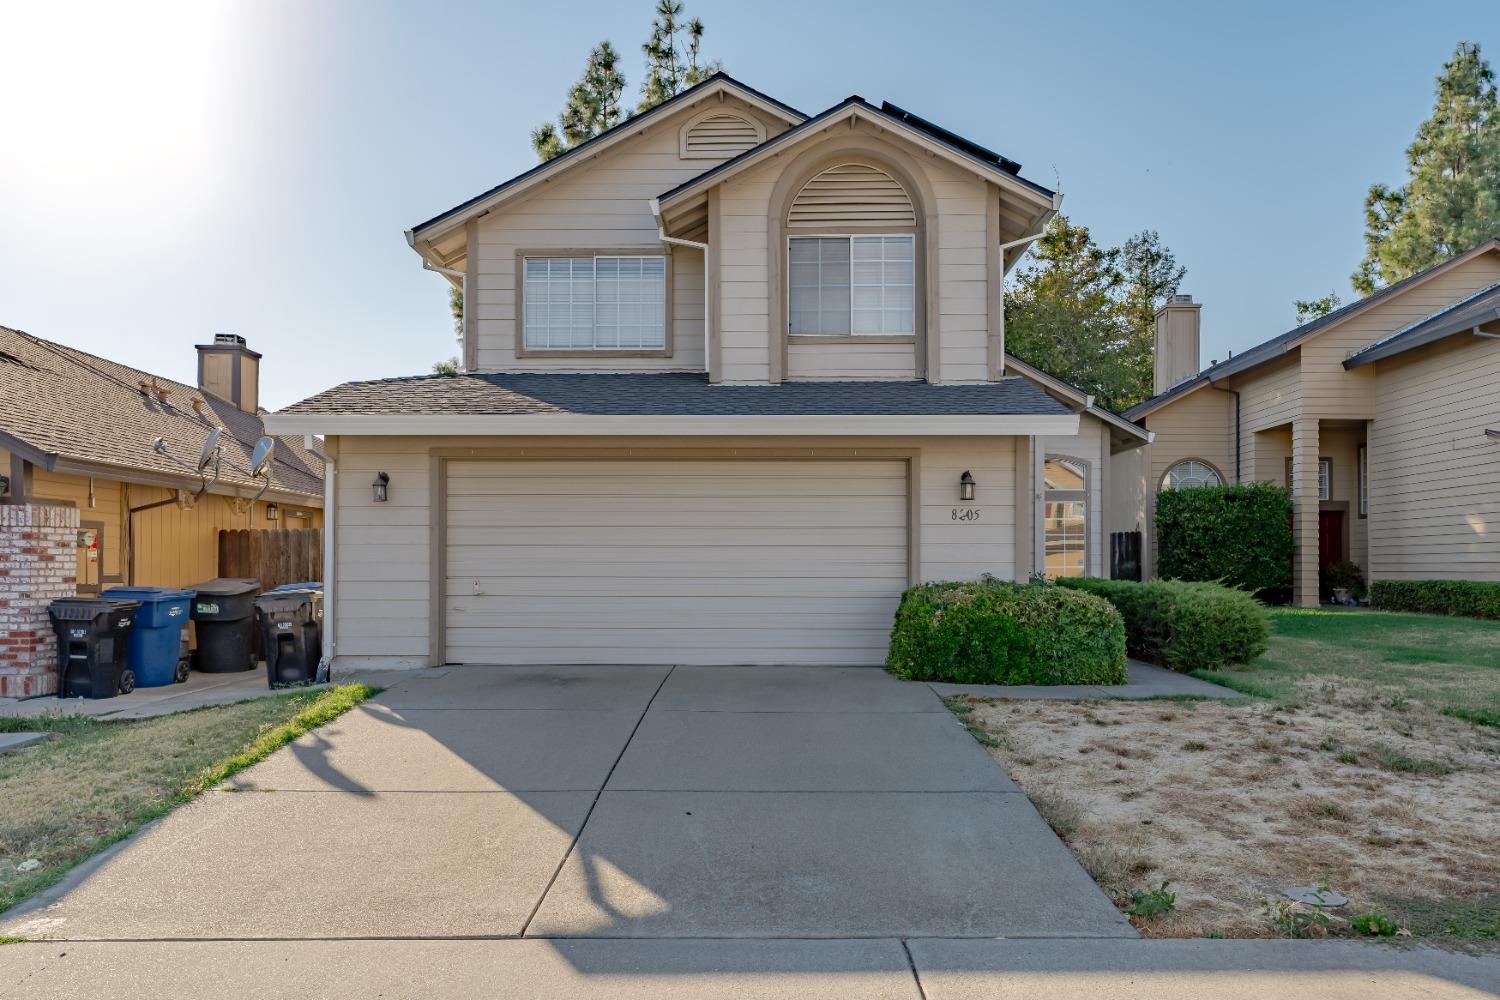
column 381, row 486
column 4, row 485
column 966, row 487
column 273, row 512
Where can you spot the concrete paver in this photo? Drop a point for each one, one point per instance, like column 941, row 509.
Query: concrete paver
column 322, row 864
column 377, row 748
column 1198, row 970
column 772, row 751
column 823, row 864
column 15, row 741
column 792, row 689
column 1145, row 680
column 460, row 970
column 583, row 688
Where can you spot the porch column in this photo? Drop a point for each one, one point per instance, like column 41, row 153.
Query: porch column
column 1305, row 512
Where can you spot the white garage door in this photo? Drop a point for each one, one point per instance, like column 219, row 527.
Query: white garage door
column 743, row 561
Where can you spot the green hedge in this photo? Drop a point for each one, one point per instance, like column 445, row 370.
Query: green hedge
column 1464, row 598
column 1184, row 625
column 994, row 632
column 1240, row 535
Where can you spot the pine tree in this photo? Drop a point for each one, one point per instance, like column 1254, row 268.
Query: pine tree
column 672, row 66
column 1311, row 309
column 1451, row 200
column 592, row 107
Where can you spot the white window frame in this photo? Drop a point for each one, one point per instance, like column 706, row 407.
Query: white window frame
column 1325, row 479
column 850, row 238
column 1166, row 477
column 525, row 347
column 1080, row 496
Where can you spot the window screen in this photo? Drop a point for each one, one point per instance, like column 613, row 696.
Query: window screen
column 595, row 303
column 852, row 285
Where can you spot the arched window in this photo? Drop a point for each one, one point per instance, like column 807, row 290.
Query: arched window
column 1189, row 473
column 1065, row 516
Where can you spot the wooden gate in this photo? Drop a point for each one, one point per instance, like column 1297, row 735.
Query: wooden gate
column 272, row 557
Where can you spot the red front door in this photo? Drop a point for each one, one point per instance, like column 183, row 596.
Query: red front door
column 1330, row 538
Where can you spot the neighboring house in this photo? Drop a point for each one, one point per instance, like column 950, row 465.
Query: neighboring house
column 1387, row 411
column 735, row 379
column 79, row 430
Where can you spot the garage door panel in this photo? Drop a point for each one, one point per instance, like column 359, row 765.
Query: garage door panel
column 747, row 561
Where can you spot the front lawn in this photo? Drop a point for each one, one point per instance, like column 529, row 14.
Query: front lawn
column 94, row 783
column 1450, row 664
column 1348, row 769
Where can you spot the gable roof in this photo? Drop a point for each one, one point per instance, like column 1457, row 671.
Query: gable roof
column 995, row 167
column 1280, row 345
column 1083, row 400
column 549, row 168
column 1466, row 314
column 67, row 410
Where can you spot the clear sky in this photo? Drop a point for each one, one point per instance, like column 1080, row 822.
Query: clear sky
column 172, row 170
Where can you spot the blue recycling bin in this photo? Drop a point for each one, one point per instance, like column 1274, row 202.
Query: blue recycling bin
column 156, row 640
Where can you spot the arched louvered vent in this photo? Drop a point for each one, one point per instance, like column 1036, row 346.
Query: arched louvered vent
column 720, row 136
column 851, row 194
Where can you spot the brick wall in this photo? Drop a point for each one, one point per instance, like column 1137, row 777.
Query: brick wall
column 38, row 564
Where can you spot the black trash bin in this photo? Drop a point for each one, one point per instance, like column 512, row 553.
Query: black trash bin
column 224, row 617
column 291, row 632
column 93, row 646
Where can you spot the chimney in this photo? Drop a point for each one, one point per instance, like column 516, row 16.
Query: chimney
column 230, row 370
column 1176, row 343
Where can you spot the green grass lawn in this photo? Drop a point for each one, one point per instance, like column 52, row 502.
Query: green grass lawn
column 95, row 782
column 1451, row 664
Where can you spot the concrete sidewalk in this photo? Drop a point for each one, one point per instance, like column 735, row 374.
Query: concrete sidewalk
column 870, row 969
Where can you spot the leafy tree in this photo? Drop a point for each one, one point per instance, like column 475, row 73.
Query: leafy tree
column 592, row 107
column 1311, row 309
column 452, row 366
column 1086, row 313
column 672, row 66
column 456, row 307
column 1451, row 200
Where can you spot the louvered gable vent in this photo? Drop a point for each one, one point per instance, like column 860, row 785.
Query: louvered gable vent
column 851, row 194
column 719, row 137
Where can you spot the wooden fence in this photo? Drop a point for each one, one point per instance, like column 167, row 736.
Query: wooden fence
column 272, row 557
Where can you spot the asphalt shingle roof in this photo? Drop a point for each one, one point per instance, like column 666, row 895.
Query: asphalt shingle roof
column 672, row 394
column 1465, row 314
column 78, row 406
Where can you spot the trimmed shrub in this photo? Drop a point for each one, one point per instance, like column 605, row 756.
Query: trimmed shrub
column 995, row 632
column 1464, row 598
column 1184, row 625
column 1240, row 535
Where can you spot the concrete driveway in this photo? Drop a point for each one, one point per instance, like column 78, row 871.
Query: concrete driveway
column 634, row 832
column 637, row 802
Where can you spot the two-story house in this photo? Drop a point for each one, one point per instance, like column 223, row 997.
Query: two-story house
column 1383, row 418
column 734, row 378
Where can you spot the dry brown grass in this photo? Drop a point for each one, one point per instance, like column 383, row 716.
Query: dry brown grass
column 1234, row 802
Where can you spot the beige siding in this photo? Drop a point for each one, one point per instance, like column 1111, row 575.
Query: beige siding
column 851, row 361
column 1129, row 472
column 383, row 595
column 1199, row 425
column 603, row 205
column 1331, row 391
column 1434, row 476
column 744, row 332
column 961, row 274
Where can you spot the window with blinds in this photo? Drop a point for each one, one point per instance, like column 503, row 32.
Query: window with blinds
column 598, row 303
column 852, row 285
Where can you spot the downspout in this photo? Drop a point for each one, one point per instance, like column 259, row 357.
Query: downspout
column 661, row 233
column 330, row 516
column 1236, row 394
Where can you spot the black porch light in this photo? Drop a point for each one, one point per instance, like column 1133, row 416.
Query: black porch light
column 966, row 487
column 381, row 487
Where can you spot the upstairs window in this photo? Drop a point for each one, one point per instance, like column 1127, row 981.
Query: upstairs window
column 857, row 286
column 595, row 303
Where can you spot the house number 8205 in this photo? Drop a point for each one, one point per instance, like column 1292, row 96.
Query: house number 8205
column 966, row 513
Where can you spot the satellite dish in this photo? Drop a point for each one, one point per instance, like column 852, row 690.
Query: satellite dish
column 210, row 449
column 260, row 459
